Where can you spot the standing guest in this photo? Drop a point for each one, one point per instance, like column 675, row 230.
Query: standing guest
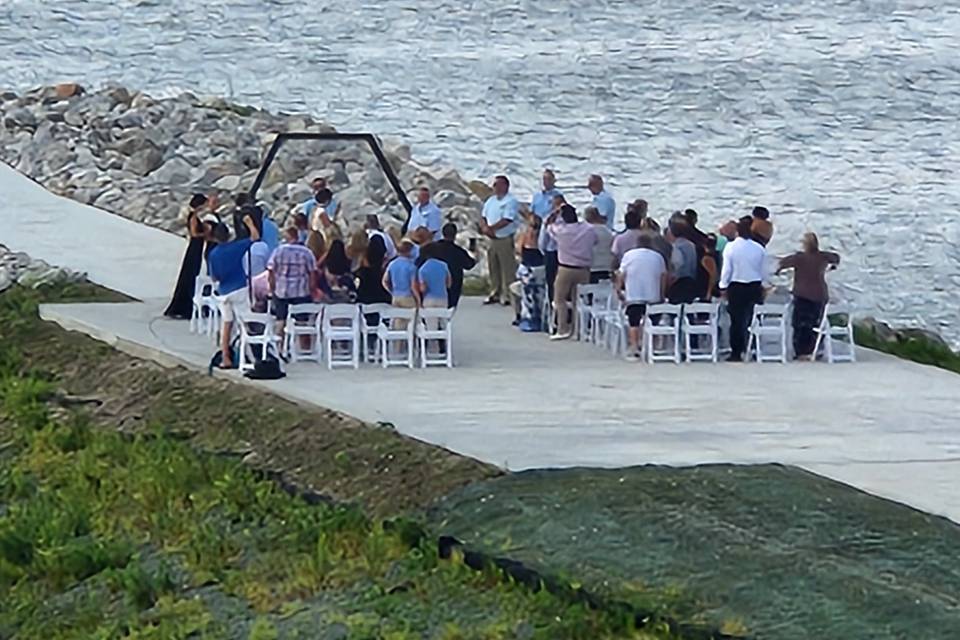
column 242, row 201
column 602, row 200
column 642, row 280
column 499, row 223
column 627, row 240
column 316, row 186
column 316, row 244
column 575, row 241
column 650, row 228
column 433, row 282
column 324, row 212
column 695, row 235
column 229, row 269
column 708, row 275
column 684, row 264
column 425, row 215
column 742, row 278
column 761, row 228
column 258, row 253
column 271, row 232
column 292, row 270
column 336, row 275
column 542, row 205
column 548, row 246
column 810, row 293
column 302, row 223
column 602, row 251
column 400, row 278
column 727, row 232
column 370, row 274
column 456, row 258
column 357, row 248
column 181, row 305
column 372, row 225
column 528, row 243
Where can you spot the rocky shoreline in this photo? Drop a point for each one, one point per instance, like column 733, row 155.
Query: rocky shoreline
column 141, row 157
column 17, row 267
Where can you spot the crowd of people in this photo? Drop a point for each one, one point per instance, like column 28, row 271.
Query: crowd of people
column 309, row 260
column 256, row 265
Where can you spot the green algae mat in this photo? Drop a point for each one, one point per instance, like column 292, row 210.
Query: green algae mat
column 777, row 551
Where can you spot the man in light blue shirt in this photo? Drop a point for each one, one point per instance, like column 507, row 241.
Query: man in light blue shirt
column 425, row 214
column 501, row 213
column 543, row 204
column 602, row 200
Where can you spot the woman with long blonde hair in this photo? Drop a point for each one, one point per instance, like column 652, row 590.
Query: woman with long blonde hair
column 357, row 248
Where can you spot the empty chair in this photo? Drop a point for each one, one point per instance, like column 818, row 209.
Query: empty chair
column 768, row 333
column 303, row 326
column 395, row 345
column 589, row 298
column 701, row 319
column 661, row 333
column 610, row 326
column 435, row 327
column 205, row 316
column 836, row 336
column 372, row 319
column 341, row 335
column 257, row 338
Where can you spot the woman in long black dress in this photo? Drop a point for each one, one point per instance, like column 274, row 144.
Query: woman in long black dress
column 182, row 303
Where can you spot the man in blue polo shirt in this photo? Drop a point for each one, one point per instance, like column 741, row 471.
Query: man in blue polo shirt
column 501, row 212
column 426, row 215
column 602, row 200
column 542, row 205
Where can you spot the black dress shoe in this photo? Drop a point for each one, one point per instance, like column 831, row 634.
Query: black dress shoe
column 734, row 358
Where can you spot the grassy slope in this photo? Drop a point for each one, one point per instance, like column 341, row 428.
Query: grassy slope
column 112, row 525
column 790, row 554
column 326, row 451
column 917, row 350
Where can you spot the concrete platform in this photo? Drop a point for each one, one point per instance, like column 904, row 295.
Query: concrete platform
column 519, row 401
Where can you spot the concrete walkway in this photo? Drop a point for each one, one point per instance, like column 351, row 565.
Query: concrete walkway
column 519, row 401
column 123, row 255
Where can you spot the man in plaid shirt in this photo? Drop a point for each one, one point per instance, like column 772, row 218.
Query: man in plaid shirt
column 292, row 269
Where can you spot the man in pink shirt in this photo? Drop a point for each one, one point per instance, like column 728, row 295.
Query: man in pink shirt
column 575, row 241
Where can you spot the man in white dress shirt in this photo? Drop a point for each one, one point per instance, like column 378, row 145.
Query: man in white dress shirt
column 425, row 214
column 742, row 279
column 501, row 213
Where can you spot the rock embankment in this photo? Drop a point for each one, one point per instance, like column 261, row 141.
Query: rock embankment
column 19, row 268
column 141, row 157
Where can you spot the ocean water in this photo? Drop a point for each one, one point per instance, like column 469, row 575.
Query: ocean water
column 840, row 116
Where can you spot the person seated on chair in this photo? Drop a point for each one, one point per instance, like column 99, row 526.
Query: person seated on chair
column 642, row 280
column 335, row 276
column 229, row 270
column 761, row 228
column 400, row 278
column 292, row 270
column 810, row 292
column 627, row 239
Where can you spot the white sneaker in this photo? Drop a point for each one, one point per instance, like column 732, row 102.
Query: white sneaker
column 632, row 357
column 561, row 336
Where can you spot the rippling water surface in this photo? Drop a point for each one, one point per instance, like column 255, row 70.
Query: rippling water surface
column 840, row 116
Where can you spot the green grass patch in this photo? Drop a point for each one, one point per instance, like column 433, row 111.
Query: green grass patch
column 910, row 348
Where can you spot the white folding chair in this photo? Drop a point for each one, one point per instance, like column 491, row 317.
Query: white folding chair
column 701, row 319
column 205, row 315
column 303, row 321
column 435, row 325
column 831, row 336
column 588, row 299
column 256, row 330
column 768, row 333
column 661, row 339
column 340, row 328
column 396, row 329
column 610, row 326
column 368, row 332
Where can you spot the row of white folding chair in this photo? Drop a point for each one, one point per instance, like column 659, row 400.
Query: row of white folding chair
column 340, row 331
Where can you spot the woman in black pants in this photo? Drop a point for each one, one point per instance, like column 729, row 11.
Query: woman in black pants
column 810, row 293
